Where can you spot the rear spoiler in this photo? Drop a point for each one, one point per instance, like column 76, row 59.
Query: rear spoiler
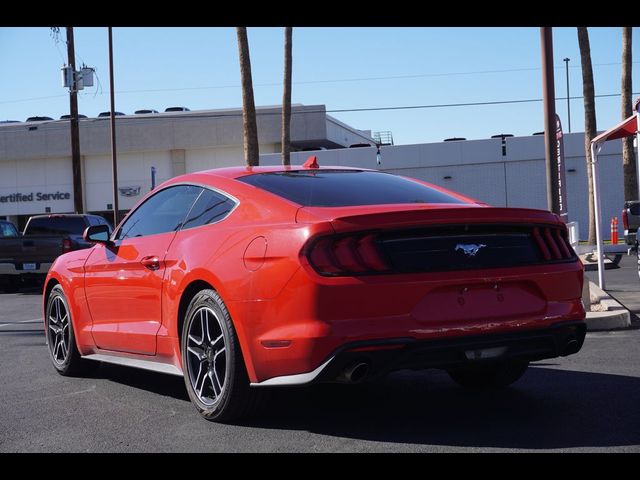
column 388, row 216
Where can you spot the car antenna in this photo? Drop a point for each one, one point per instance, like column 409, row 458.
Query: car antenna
column 312, row 162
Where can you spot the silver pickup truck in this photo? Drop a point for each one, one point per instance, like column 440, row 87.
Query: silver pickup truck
column 631, row 222
column 45, row 237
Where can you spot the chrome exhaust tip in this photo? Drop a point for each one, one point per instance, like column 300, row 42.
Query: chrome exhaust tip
column 355, row 373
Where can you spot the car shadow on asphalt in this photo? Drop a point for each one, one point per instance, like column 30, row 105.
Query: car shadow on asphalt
column 159, row 383
column 546, row 409
column 23, row 331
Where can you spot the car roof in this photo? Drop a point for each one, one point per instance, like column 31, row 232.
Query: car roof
column 79, row 215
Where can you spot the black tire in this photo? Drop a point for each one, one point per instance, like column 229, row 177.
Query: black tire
column 491, row 375
column 202, row 359
column 68, row 363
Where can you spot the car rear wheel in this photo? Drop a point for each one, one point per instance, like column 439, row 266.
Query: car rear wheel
column 214, row 372
column 494, row 375
column 61, row 340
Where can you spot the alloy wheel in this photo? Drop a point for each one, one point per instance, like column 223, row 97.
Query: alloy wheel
column 58, row 330
column 206, row 356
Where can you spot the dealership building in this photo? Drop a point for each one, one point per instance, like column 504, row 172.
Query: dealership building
column 36, row 173
column 35, row 157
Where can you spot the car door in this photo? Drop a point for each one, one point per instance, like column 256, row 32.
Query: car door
column 124, row 281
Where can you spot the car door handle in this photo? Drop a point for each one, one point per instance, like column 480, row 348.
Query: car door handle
column 151, row 262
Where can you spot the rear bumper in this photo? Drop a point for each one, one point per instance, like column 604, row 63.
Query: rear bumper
column 384, row 356
column 299, row 330
column 13, row 269
column 629, row 237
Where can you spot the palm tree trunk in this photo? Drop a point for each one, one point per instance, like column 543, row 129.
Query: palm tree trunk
column 249, row 124
column 286, row 98
column 628, row 160
column 589, row 120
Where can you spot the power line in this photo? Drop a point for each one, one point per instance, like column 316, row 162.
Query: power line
column 471, row 104
column 312, row 82
column 362, row 79
column 33, row 99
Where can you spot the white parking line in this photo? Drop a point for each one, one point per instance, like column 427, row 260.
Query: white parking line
column 34, row 320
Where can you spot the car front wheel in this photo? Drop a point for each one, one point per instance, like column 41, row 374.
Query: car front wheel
column 61, row 340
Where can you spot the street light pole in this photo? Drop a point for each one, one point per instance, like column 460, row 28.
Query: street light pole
column 76, row 163
column 566, row 61
column 549, row 101
column 114, row 164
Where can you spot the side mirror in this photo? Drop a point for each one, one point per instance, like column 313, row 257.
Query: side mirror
column 97, row 234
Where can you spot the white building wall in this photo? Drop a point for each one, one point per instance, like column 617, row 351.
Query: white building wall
column 35, row 156
column 134, row 170
column 33, row 176
column 219, row 157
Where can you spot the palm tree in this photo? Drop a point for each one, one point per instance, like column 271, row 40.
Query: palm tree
column 589, row 119
column 628, row 160
column 249, row 124
column 286, row 98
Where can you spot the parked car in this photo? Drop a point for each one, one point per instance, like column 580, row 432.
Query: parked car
column 8, row 236
column 44, row 238
column 240, row 279
column 8, row 229
column 631, row 221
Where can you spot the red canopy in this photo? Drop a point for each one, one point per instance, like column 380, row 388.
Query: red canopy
column 626, row 128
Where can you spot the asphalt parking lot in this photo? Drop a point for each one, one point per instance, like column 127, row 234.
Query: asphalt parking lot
column 586, row 403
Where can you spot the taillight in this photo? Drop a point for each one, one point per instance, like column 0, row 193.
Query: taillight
column 347, row 255
column 552, row 243
column 66, row 245
column 625, row 219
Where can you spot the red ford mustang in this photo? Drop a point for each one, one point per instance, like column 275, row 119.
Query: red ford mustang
column 244, row 278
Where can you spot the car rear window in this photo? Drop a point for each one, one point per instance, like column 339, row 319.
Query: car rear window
column 56, row 226
column 341, row 188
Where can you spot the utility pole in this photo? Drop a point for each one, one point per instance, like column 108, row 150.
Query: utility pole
column 114, row 163
column 566, row 61
column 549, row 100
column 76, row 165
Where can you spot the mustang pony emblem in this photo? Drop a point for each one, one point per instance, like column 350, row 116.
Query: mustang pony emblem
column 470, row 249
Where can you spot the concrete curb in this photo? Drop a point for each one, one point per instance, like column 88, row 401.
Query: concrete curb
column 616, row 316
column 614, row 320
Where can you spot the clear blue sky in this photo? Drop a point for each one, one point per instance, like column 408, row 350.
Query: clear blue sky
column 343, row 68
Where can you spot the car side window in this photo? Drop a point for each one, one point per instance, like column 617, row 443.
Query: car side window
column 8, row 230
column 210, row 207
column 163, row 212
